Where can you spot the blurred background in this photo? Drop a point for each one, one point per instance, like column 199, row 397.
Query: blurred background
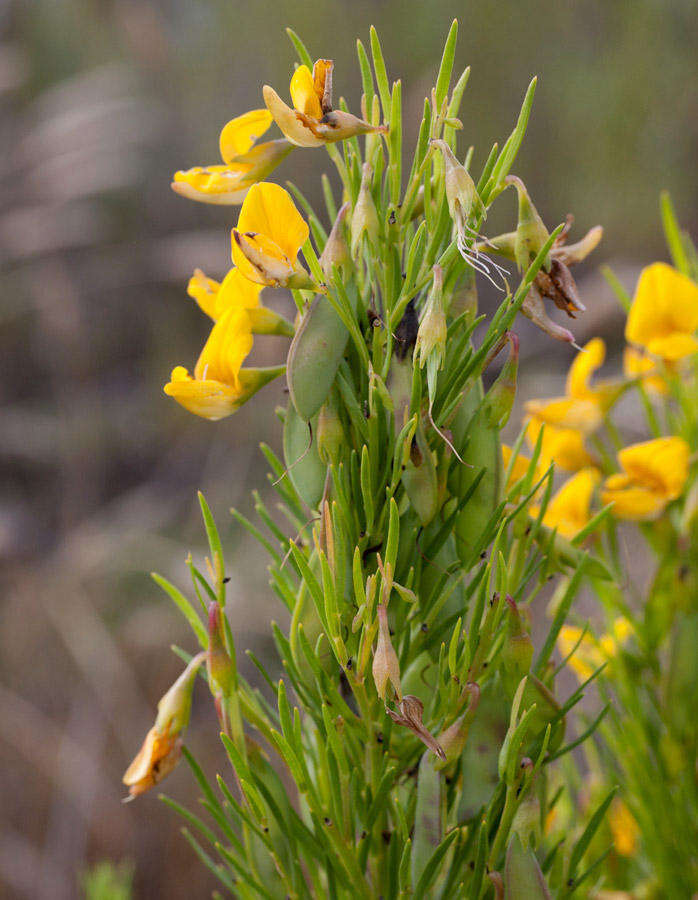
column 100, row 101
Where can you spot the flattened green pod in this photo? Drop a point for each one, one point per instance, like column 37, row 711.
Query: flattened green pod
column 523, row 879
column 480, row 448
column 428, row 817
column 305, row 468
column 314, row 357
column 420, row 480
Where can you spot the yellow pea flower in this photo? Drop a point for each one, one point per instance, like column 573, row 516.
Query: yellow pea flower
column 519, row 467
column 583, row 406
column 624, row 828
column 563, row 446
column 219, row 385
column 215, row 297
column 269, row 234
column 312, row 122
column 236, row 292
column 592, row 653
column 245, row 162
column 569, row 510
column 663, row 317
column 639, row 365
column 162, row 747
column 654, row 473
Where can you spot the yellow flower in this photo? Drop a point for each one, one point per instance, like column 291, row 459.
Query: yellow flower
column 269, row 234
column 583, row 406
column 654, row 473
column 312, row 122
column 519, row 468
column 219, row 386
column 236, row 292
column 638, row 365
column 563, row 446
column 215, row 297
column 590, row 654
column 664, row 315
column 162, row 746
column 569, row 509
column 624, row 828
column 245, row 162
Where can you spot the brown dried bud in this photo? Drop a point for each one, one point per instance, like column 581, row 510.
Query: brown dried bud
column 162, row 746
column 559, row 286
column 411, row 710
column 534, row 309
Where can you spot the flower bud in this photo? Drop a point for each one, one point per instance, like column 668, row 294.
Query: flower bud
column 336, row 251
column 461, row 193
column 162, row 746
column 453, row 739
column 431, row 336
column 500, row 397
column 330, row 431
column 531, row 233
column 219, row 665
column 420, row 480
column 364, row 219
column 517, row 652
column 386, row 667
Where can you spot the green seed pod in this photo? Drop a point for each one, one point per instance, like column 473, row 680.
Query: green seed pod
column 428, row 820
column 479, row 760
column 304, row 466
column 420, row 480
column 479, row 446
column 314, row 357
column 523, row 878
